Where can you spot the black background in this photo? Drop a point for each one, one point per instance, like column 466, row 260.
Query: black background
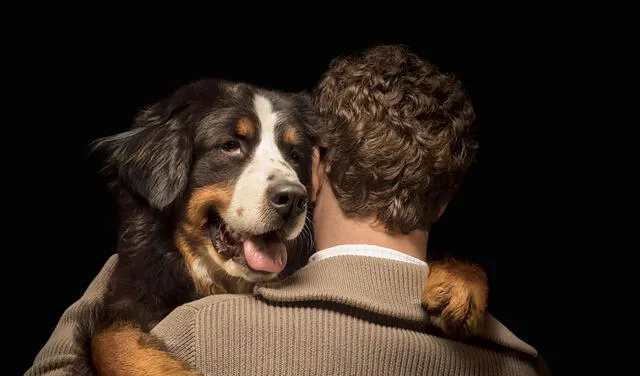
column 554, row 97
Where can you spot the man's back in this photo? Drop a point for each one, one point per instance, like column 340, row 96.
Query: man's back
column 361, row 318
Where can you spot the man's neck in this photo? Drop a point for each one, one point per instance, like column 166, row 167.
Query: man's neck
column 407, row 244
column 333, row 228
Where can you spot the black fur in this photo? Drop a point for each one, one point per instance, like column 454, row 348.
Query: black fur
column 170, row 150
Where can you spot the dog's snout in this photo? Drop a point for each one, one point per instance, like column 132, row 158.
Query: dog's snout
column 287, row 199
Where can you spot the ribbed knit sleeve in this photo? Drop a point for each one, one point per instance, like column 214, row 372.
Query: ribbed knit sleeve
column 64, row 347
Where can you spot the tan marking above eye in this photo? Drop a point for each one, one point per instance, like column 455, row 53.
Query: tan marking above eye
column 291, row 136
column 246, row 128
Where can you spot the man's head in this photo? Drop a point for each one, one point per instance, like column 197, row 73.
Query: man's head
column 399, row 137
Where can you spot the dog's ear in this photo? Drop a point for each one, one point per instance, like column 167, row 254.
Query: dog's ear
column 309, row 117
column 153, row 159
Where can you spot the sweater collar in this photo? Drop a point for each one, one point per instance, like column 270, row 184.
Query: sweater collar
column 366, row 250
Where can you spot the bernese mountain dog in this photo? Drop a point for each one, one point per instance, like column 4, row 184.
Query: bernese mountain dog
column 212, row 186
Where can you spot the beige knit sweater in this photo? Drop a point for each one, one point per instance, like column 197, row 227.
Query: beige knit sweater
column 346, row 315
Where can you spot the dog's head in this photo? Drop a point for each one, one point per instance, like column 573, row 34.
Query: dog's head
column 229, row 165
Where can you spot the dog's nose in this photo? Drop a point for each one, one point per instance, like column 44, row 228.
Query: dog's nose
column 288, row 199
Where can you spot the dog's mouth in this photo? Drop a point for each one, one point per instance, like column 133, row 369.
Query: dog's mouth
column 260, row 252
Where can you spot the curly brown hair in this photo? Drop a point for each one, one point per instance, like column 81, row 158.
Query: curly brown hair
column 399, row 136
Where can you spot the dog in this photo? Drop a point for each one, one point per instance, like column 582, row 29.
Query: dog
column 212, row 186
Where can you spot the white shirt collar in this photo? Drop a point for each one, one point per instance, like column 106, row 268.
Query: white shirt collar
column 365, row 250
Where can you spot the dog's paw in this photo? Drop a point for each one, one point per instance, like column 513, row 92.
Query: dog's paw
column 455, row 296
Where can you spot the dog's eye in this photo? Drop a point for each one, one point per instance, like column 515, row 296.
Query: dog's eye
column 231, row 146
column 295, row 157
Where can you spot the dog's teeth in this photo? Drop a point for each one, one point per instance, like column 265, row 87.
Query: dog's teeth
column 237, row 237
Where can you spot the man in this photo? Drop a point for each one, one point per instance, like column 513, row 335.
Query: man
column 399, row 141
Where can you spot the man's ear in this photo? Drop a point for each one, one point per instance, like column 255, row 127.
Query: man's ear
column 154, row 158
column 317, row 176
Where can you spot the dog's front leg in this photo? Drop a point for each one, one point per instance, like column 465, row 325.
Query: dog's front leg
column 122, row 349
column 455, row 294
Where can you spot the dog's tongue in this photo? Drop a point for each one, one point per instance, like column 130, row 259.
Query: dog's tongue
column 266, row 253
